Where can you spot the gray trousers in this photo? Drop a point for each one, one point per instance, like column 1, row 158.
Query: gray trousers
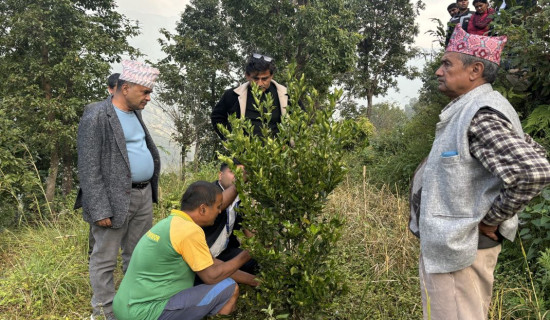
column 108, row 241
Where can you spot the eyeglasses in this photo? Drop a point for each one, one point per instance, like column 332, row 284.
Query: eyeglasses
column 260, row 56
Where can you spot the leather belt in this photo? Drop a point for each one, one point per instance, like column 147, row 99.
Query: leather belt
column 140, row 185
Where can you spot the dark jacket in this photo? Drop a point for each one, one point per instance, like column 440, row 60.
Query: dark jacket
column 234, row 101
column 463, row 18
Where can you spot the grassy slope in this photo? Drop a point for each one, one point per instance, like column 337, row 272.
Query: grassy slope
column 380, row 254
column 43, row 270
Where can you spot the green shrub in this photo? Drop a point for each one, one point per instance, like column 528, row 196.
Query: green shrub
column 19, row 180
column 535, row 226
column 289, row 177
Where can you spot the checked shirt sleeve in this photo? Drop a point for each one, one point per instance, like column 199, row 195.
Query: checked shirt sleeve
column 520, row 163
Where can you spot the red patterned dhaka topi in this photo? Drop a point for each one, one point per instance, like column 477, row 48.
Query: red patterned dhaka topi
column 484, row 47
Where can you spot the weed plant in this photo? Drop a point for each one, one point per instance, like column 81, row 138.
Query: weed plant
column 44, row 271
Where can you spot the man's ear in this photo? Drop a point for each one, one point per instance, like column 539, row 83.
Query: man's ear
column 477, row 69
column 124, row 88
column 202, row 209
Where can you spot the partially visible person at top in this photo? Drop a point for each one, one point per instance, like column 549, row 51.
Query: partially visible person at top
column 480, row 20
column 159, row 281
column 112, row 82
column 259, row 69
column 462, row 18
column 223, row 244
column 118, row 170
column 481, row 171
column 452, row 9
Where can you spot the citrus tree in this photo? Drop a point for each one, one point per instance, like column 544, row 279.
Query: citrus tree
column 289, row 177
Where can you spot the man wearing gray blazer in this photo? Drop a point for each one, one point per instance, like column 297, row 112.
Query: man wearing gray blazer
column 118, row 168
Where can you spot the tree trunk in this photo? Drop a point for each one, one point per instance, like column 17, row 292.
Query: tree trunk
column 54, row 156
column 197, row 149
column 183, row 167
column 196, row 155
column 369, row 105
column 52, row 176
column 67, row 183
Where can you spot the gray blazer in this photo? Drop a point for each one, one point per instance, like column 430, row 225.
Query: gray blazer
column 103, row 165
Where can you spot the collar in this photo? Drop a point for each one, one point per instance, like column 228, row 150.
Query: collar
column 242, row 89
column 459, row 102
column 271, row 88
column 181, row 214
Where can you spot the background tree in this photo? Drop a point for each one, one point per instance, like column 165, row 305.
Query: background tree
column 54, row 58
column 202, row 60
column 388, row 30
column 526, row 60
column 18, row 180
column 387, row 116
column 319, row 36
column 396, row 153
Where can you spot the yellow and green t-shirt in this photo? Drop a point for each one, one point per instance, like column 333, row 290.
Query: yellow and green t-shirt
column 163, row 263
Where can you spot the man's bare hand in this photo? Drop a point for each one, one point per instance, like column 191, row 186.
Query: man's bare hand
column 106, row 223
column 489, row 231
column 248, row 233
column 250, row 279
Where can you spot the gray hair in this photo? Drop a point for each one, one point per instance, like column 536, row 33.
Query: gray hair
column 490, row 69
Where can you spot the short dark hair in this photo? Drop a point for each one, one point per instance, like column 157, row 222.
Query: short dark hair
column 490, row 69
column 452, row 6
column 199, row 192
column 259, row 65
column 112, row 80
column 224, row 165
column 121, row 82
column 482, row 1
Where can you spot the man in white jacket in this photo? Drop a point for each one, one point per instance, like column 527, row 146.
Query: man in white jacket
column 239, row 100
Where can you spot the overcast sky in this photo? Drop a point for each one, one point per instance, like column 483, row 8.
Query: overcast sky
column 154, row 15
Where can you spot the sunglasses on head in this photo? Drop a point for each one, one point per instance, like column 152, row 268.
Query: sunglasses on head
column 260, row 56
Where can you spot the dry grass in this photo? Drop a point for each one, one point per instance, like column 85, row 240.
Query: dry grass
column 43, row 270
column 378, row 252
